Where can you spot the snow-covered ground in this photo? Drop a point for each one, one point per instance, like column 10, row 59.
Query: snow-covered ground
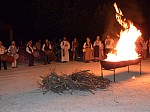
column 19, row 90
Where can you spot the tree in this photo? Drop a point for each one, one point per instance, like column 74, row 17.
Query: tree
column 71, row 17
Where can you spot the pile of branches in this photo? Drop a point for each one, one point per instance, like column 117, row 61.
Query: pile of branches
column 82, row 80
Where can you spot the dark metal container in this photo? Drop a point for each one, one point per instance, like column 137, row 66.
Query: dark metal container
column 107, row 65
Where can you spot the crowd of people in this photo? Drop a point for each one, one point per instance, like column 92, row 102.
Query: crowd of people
column 52, row 51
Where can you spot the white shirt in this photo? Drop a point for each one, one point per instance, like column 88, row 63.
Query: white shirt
column 28, row 51
column 98, row 43
column 50, row 47
column 85, row 45
column 65, row 45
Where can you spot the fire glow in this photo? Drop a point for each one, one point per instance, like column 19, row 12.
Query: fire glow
column 126, row 48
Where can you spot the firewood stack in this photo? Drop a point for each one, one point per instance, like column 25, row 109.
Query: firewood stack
column 82, row 80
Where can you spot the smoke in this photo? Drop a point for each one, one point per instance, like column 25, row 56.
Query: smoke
column 132, row 11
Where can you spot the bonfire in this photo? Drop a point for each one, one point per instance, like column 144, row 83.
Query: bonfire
column 125, row 52
column 126, row 48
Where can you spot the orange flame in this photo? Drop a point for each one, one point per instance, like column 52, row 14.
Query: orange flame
column 126, row 48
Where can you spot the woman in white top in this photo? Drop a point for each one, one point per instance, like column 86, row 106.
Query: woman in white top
column 144, row 49
column 109, row 44
column 87, row 51
column 13, row 52
column 98, row 49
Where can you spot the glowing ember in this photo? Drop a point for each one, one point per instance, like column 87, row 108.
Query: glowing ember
column 133, row 77
column 126, row 48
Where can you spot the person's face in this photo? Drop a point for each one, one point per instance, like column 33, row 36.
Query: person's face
column 30, row 43
column 75, row 39
column 88, row 39
column 108, row 37
column 46, row 40
column 13, row 43
column 98, row 38
column 64, row 38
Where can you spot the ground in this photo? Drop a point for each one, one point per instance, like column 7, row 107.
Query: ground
column 19, row 91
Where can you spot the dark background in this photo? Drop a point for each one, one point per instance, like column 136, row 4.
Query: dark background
column 53, row 19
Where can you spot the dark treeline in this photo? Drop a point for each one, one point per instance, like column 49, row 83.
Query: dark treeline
column 71, row 17
column 53, row 19
column 81, row 18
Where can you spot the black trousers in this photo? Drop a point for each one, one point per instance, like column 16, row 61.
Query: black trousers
column 4, row 64
column 31, row 59
column 46, row 59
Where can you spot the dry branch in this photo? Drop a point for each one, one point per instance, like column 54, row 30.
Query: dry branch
column 82, row 80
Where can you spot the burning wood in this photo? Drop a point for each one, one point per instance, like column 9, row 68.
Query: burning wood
column 107, row 65
column 110, row 65
column 126, row 48
column 82, row 80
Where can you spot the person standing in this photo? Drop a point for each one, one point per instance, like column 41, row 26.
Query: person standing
column 138, row 44
column 59, row 50
column 30, row 51
column 13, row 52
column 65, row 46
column 74, row 49
column 87, row 51
column 46, row 49
column 38, row 47
column 144, row 49
column 109, row 45
column 98, row 49
column 2, row 52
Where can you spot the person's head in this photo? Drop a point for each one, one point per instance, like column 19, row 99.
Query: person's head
column 30, row 43
column 98, row 38
column 88, row 39
column 75, row 39
column 13, row 43
column 108, row 37
column 64, row 38
column 0, row 43
column 39, row 41
column 46, row 41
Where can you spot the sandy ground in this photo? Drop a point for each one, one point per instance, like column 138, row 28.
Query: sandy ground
column 19, row 91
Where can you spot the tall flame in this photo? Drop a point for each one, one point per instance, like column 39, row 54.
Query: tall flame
column 126, row 48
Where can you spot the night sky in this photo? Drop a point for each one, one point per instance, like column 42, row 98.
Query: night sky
column 18, row 13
